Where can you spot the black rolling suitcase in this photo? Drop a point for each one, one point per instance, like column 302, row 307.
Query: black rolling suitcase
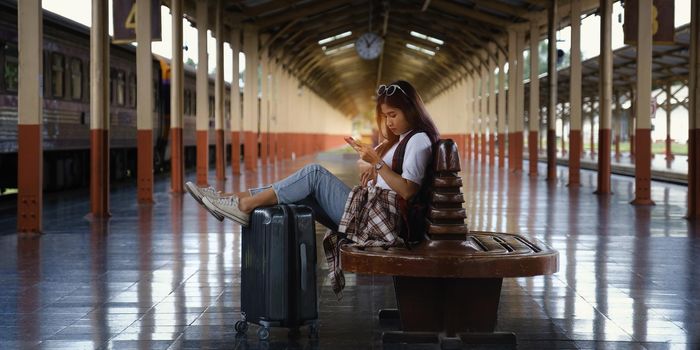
column 278, row 270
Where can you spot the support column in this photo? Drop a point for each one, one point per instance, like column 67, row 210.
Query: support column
column 694, row 115
column 617, row 125
column 250, row 97
column 492, row 105
column 484, row 111
column 512, row 73
column 202, row 95
column 176, row 98
column 29, row 113
column 552, row 21
column 605, row 100
column 642, row 167
column 99, row 111
column 669, row 109
column 265, row 103
column 236, row 117
column 477, row 116
column 470, row 116
column 144, row 102
column 591, row 120
column 534, row 112
column 219, row 92
column 520, row 103
column 501, row 110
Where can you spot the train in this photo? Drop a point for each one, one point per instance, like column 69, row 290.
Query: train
column 66, row 105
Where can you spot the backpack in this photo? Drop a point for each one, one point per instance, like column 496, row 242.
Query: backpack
column 414, row 210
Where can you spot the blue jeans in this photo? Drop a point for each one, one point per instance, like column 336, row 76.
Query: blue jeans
column 316, row 187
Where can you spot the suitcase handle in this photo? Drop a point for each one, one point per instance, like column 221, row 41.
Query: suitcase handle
column 302, row 256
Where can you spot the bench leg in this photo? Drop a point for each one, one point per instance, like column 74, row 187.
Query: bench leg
column 452, row 305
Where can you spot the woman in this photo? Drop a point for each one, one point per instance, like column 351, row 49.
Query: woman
column 399, row 112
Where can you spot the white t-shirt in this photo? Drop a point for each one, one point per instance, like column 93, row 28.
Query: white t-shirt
column 415, row 159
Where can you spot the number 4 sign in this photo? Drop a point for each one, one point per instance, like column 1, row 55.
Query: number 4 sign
column 124, row 16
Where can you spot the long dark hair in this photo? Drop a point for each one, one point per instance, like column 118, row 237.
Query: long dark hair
column 413, row 110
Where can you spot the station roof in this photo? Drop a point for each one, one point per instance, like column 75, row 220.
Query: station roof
column 466, row 28
column 670, row 65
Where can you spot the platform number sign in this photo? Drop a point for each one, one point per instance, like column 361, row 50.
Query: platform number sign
column 662, row 25
column 124, row 16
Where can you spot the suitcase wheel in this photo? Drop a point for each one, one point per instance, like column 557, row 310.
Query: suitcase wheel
column 313, row 330
column 241, row 327
column 264, row 333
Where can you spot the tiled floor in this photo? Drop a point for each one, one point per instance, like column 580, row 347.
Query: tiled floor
column 167, row 276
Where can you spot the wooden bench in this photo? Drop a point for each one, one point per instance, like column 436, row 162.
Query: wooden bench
column 450, row 284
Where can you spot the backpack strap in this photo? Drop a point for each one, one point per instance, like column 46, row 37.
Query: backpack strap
column 397, row 159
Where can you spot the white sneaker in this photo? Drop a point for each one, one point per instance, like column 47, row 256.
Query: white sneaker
column 204, row 192
column 228, row 207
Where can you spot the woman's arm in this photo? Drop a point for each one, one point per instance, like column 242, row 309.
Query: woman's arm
column 405, row 188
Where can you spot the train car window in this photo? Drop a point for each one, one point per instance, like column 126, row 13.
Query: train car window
column 11, row 68
column 193, row 102
column 187, row 102
column 121, row 88
column 57, row 71
column 76, row 79
column 131, row 96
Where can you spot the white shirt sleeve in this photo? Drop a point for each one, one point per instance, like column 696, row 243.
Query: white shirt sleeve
column 415, row 160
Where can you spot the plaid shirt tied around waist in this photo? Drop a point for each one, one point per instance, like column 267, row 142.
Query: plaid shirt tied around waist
column 371, row 218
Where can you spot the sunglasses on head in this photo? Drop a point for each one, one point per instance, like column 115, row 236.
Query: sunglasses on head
column 389, row 90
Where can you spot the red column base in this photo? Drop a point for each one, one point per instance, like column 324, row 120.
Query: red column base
column 642, row 168
column 484, row 142
column 575, row 142
column 202, row 157
column 29, row 179
column 220, row 155
column 468, row 146
column 519, row 150
column 501, row 150
column 177, row 161
column 551, row 154
column 532, row 139
column 251, row 151
column 264, row 150
column 145, row 165
column 492, row 149
column 235, row 153
column 604, row 162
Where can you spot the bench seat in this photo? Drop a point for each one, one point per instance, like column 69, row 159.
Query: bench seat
column 480, row 255
column 450, row 284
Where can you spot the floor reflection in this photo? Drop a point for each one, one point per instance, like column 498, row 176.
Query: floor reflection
column 167, row 275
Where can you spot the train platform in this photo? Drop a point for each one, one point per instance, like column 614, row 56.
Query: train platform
column 167, row 275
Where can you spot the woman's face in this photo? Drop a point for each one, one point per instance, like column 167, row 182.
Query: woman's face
column 395, row 119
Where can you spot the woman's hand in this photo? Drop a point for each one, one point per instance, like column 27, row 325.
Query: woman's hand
column 367, row 153
column 368, row 174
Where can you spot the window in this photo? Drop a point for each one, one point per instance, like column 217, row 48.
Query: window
column 187, row 102
column 76, row 78
column 57, row 75
column 11, row 68
column 131, row 97
column 211, row 107
column 121, row 88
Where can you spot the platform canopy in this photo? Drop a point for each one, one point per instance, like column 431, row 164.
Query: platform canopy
column 464, row 28
column 670, row 65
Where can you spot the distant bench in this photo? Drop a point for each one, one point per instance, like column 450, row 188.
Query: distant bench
column 451, row 283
